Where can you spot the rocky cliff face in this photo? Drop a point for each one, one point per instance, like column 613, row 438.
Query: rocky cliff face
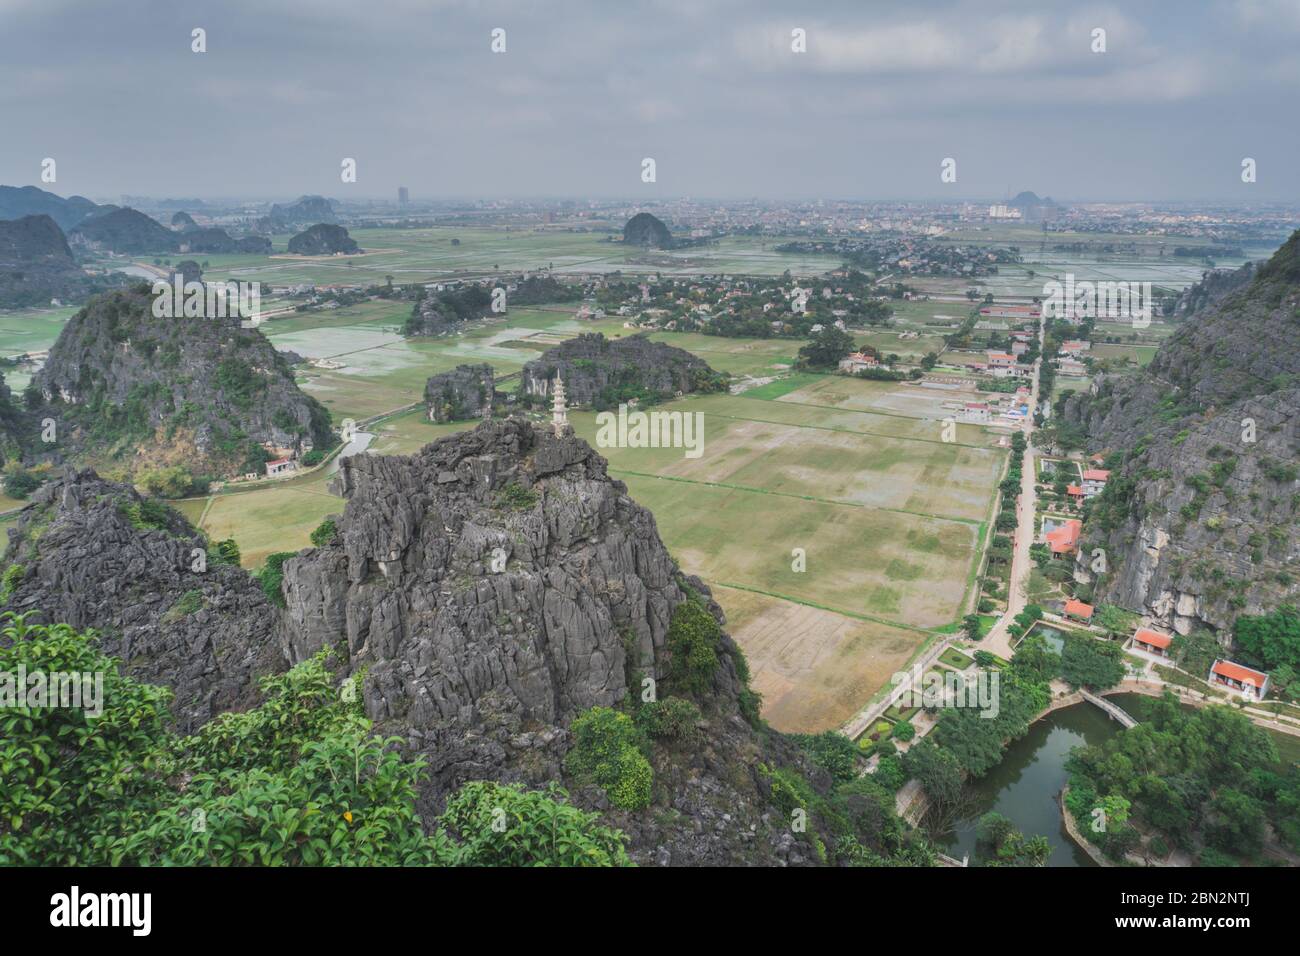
column 36, row 264
column 1199, row 523
column 459, row 395
column 94, row 554
column 600, row 371
column 490, row 588
column 133, row 391
column 1214, row 285
column 497, row 584
column 126, row 231
column 323, row 239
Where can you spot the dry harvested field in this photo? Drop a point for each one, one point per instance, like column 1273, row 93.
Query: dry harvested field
column 814, row 668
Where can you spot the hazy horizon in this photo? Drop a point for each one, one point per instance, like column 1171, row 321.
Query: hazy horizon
column 712, row 91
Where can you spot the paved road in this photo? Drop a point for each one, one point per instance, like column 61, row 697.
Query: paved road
column 998, row 641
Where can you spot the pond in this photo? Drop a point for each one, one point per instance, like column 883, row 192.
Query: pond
column 1024, row 786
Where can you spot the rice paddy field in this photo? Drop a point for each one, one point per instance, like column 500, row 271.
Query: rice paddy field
column 890, row 518
column 851, row 473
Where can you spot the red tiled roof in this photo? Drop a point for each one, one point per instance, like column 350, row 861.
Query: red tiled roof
column 1095, row 474
column 1078, row 609
column 1073, row 490
column 1236, row 672
column 1153, row 638
column 1065, row 537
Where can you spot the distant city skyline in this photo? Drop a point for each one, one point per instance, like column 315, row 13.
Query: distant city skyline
column 712, row 91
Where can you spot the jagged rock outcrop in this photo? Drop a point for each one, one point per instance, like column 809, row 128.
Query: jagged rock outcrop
column 36, row 264
column 497, row 584
column 1212, row 287
column 600, row 371
column 647, row 230
column 464, row 393
column 323, row 239
column 139, row 391
column 124, row 230
column 19, row 201
column 183, row 221
column 92, row 553
column 438, row 313
column 1200, row 522
column 491, row 588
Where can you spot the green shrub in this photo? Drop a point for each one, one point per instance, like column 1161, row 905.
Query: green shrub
column 225, row 552
column 517, row 497
column 13, row 576
column 299, row 780
column 606, row 751
column 672, row 718
column 325, row 532
column 20, row 483
column 693, row 636
column 187, row 604
column 271, row 576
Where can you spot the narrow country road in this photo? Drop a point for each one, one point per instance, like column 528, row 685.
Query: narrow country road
column 998, row 641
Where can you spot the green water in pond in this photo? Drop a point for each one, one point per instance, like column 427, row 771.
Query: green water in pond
column 1024, row 786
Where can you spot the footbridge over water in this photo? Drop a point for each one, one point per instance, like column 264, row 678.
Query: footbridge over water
column 1114, row 710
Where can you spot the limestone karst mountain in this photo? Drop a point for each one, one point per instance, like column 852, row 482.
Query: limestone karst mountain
column 602, row 372
column 131, row 391
column 1200, row 520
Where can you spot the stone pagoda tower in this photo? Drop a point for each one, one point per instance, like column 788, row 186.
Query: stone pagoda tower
column 559, row 413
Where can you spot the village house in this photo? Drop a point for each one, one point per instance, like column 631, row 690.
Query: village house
column 1078, row 611
column 1245, row 679
column 280, row 466
column 1094, row 481
column 1019, row 347
column 1075, row 493
column 1063, row 540
column 856, row 362
column 1152, row 642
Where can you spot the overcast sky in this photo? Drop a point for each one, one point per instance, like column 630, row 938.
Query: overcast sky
column 709, row 88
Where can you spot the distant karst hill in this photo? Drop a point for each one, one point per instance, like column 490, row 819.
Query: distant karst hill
column 215, row 241
column 438, row 312
column 647, row 230
column 307, row 209
column 36, row 265
column 130, row 391
column 323, row 239
column 1200, row 518
column 125, row 230
column 603, row 372
column 19, row 201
